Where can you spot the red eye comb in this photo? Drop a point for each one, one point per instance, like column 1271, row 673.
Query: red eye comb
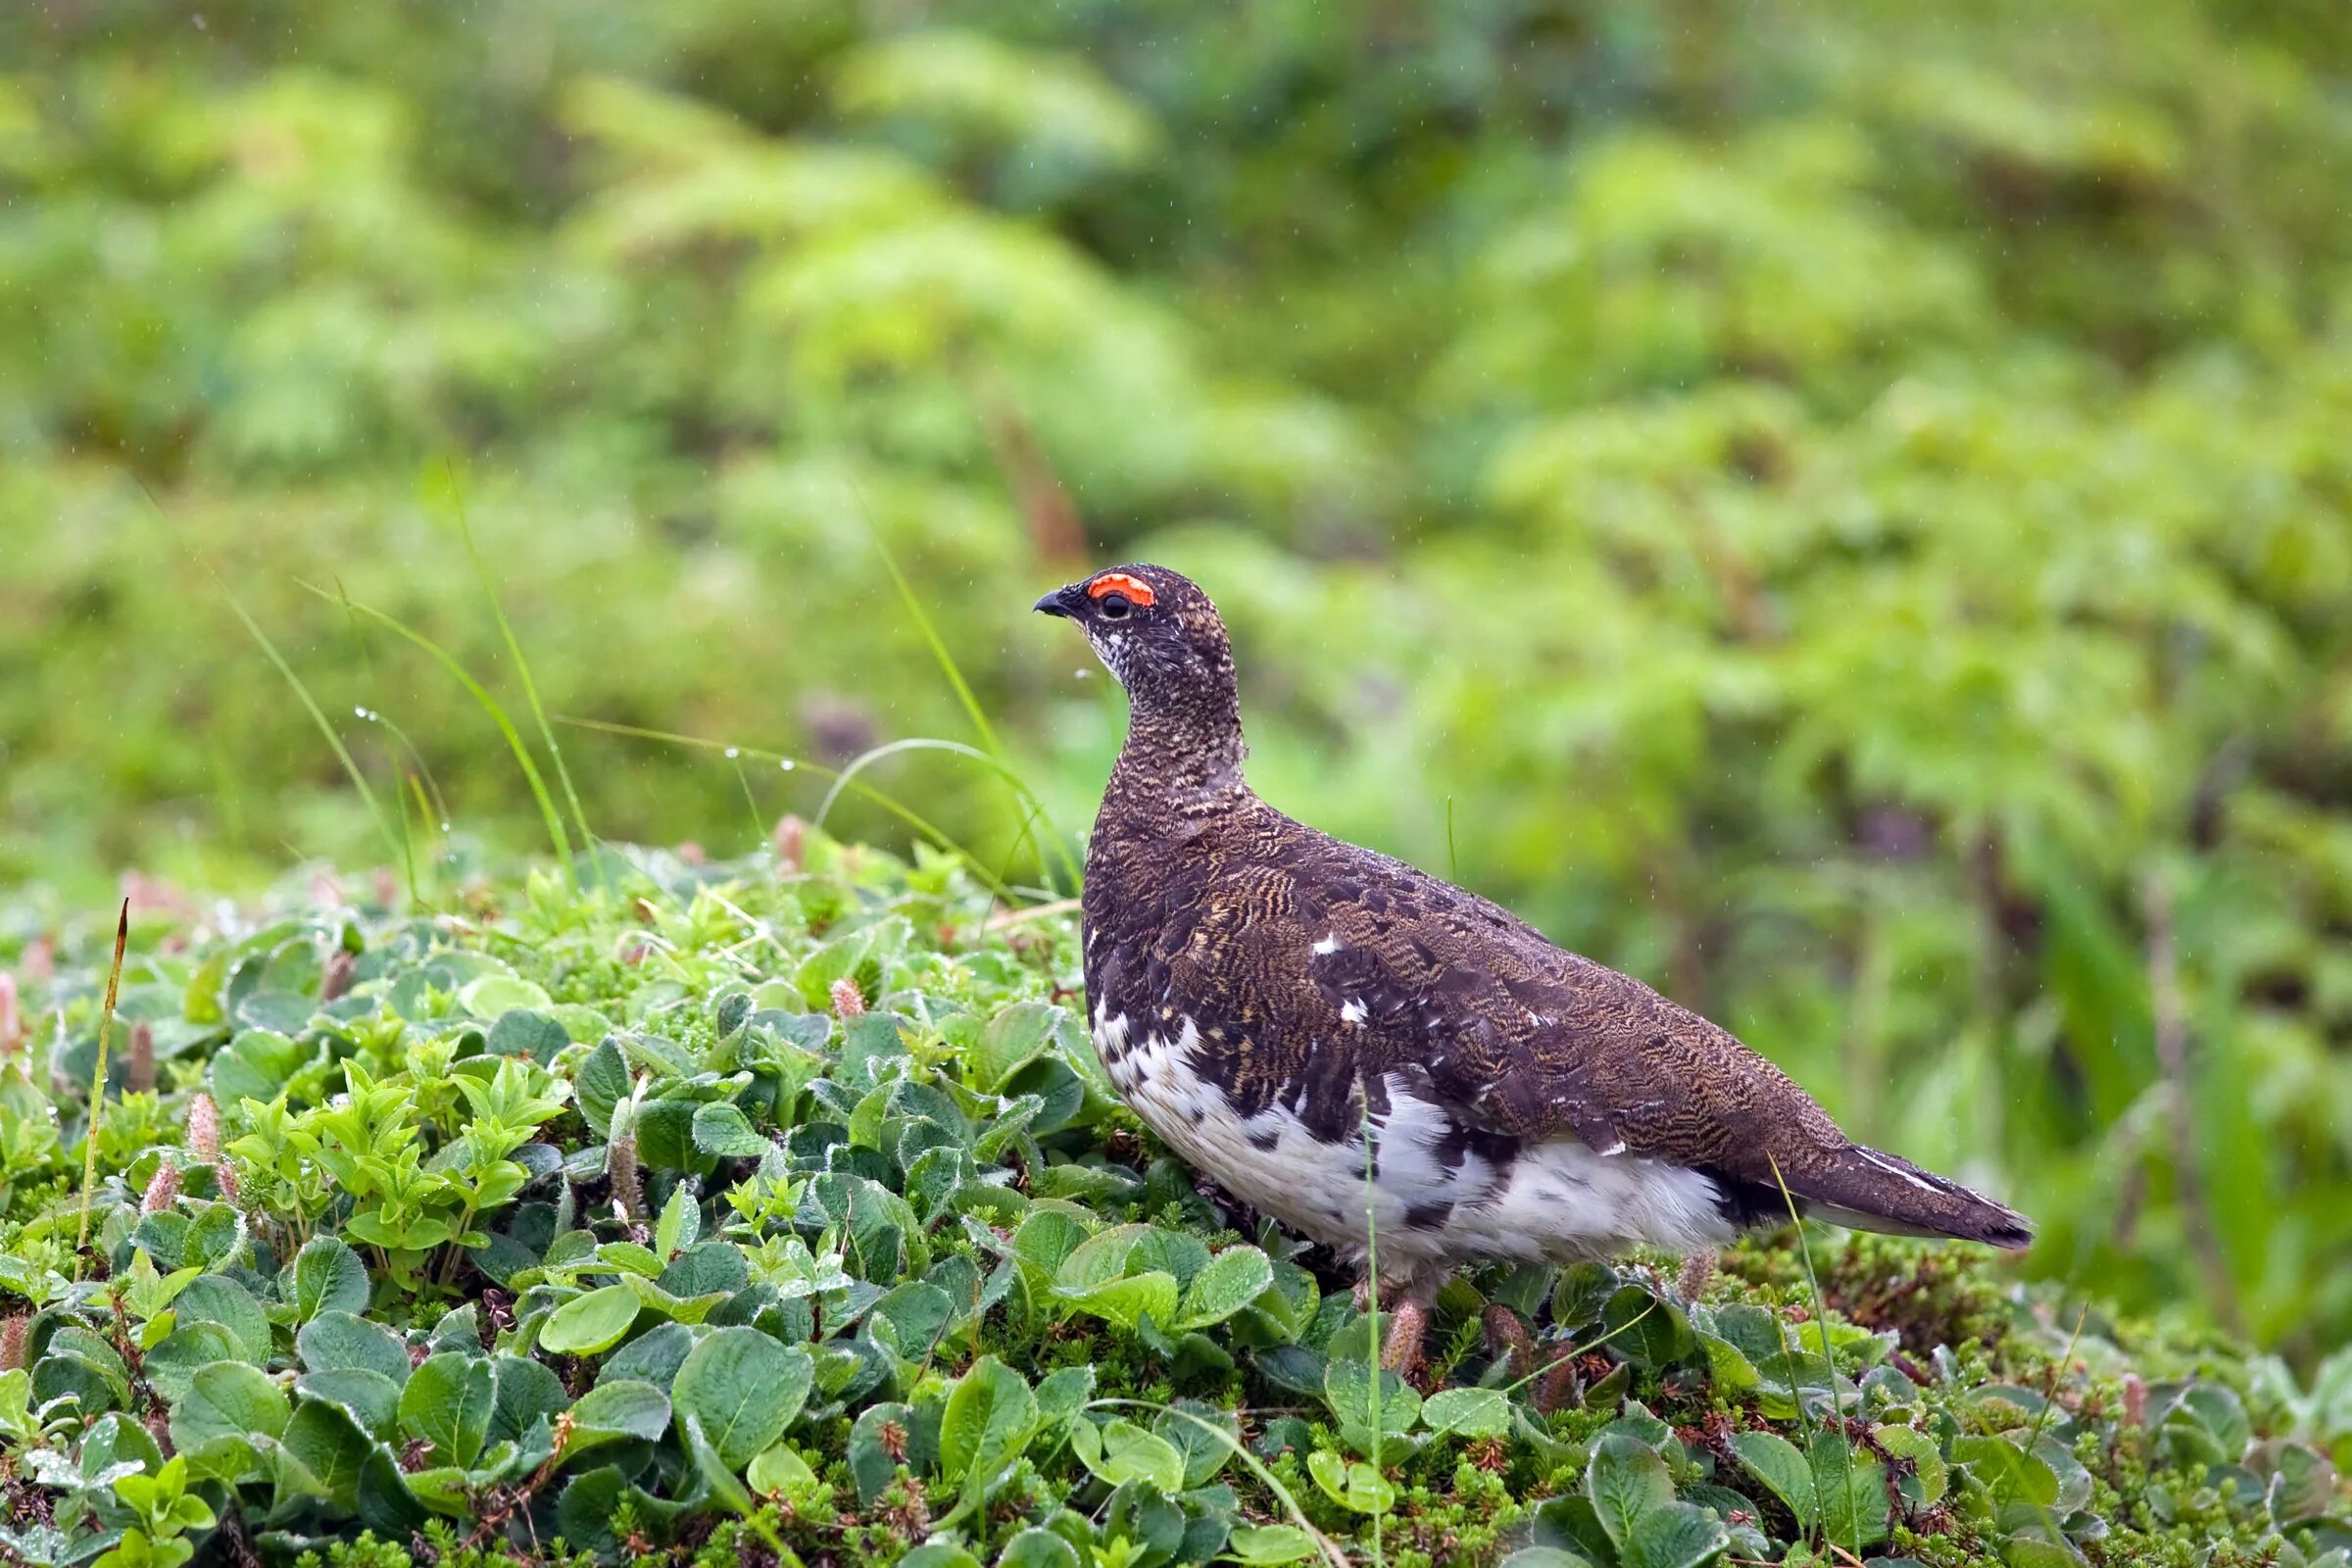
column 1137, row 591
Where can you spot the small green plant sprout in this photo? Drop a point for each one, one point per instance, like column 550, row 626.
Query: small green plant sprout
column 163, row 1512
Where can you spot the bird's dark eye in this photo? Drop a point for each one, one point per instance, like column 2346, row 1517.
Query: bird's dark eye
column 1115, row 606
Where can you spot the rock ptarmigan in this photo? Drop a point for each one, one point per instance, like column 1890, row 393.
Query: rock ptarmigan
column 1268, row 997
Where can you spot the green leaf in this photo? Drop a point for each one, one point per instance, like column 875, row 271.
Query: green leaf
column 527, row 1390
column 1931, row 1478
column 1647, row 1329
column 744, row 1387
column 1348, row 1387
column 371, row 1399
column 448, row 1404
column 777, row 1471
column 1625, row 1480
column 1352, row 1484
column 227, row 1401
column 600, row 1083
column 1263, row 1546
column 337, row 1340
column 255, row 1066
column 1785, row 1472
column 1125, row 1303
column 1467, row 1413
column 590, row 1324
column 212, row 1299
column 326, row 1276
column 721, row 1128
column 2008, row 1472
column 1545, row 1557
column 1233, row 1279
column 331, row 1446
column 1038, row 1547
column 1674, row 1535
column 990, row 1417
column 495, row 994
column 183, row 1352
column 680, row 1224
column 614, row 1412
column 1851, row 1491
column 1123, row 1452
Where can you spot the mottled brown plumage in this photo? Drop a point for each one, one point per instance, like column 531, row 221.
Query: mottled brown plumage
column 1264, row 992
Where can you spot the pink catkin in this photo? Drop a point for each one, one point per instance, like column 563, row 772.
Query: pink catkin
column 847, row 999
column 13, row 1333
column 792, row 844
column 204, row 1128
column 11, row 1026
column 162, row 1188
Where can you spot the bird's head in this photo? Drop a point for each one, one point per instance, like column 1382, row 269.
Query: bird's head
column 1154, row 631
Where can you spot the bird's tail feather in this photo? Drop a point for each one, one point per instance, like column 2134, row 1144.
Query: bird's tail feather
column 1867, row 1189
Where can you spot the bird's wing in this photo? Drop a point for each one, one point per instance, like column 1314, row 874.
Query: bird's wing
column 1520, row 1037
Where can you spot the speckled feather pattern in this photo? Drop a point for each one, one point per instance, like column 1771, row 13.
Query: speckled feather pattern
column 1266, row 995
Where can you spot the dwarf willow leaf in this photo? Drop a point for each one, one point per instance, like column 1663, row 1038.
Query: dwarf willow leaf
column 610, row 1412
column 336, row 1341
column 590, row 1324
column 777, row 1471
column 182, row 1353
column 448, row 1404
column 1674, row 1535
column 1264, row 1545
column 1350, row 1483
column 680, row 1225
column 1785, row 1472
column 227, row 1401
column 721, row 1128
column 1361, row 1404
column 744, row 1387
column 371, row 1399
column 330, row 1446
column 1625, row 1480
column 1929, row 1477
column 1467, row 1412
column 990, row 1417
column 212, row 1299
column 1123, row 1452
column 1038, row 1547
column 328, row 1276
column 1229, row 1282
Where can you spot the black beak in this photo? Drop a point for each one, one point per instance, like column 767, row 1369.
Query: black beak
column 1058, row 603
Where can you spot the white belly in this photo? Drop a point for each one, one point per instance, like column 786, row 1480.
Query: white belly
column 1556, row 1199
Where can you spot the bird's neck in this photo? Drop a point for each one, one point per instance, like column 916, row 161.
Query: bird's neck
column 1183, row 756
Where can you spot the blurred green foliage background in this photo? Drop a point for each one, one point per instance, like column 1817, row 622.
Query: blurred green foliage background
column 1842, row 509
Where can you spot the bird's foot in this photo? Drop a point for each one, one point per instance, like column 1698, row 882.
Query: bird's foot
column 1400, row 1351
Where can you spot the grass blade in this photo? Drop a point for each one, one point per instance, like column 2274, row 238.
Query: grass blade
column 904, row 813
column 522, row 667
column 922, row 621
column 106, row 1035
column 490, row 704
column 398, row 842
column 1829, row 1360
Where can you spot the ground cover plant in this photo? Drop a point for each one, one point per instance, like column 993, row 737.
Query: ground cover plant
column 660, row 1211
column 1838, row 509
